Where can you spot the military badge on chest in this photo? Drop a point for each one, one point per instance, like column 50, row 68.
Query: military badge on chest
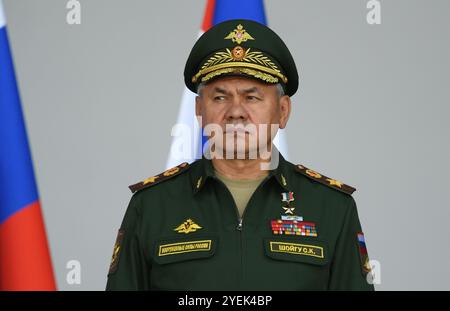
column 290, row 223
column 187, row 226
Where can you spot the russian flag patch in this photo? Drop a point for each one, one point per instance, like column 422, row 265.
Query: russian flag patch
column 364, row 257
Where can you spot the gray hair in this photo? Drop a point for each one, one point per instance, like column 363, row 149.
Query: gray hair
column 280, row 89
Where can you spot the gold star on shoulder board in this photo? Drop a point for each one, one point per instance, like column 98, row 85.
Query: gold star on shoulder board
column 188, row 226
column 150, row 180
column 334, row 182
column 330, row 182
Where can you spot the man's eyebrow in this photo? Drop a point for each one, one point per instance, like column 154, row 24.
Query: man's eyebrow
column 250, row 90
column 253, row 89
column 220, row 90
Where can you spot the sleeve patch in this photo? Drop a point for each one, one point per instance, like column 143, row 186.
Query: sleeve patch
column 364, row 256
column 116, row 251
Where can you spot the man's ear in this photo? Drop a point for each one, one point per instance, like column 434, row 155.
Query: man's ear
column 198, row 106
column 285, row 110
column 198, row 109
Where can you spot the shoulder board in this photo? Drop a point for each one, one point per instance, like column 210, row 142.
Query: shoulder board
column 332, row 183
column 176, row 170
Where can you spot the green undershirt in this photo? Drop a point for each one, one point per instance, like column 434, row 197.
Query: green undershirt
column 241, row 189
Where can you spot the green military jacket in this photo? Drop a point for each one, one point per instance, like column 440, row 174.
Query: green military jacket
column 182, row 231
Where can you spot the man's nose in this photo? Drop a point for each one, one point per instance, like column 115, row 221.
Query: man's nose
column 236, row 110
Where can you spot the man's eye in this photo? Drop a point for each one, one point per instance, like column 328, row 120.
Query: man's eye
column 219, row 98
column 253, row 98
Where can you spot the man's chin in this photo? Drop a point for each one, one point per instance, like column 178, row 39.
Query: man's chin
column 240, row 154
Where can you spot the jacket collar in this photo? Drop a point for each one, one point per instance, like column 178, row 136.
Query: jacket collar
column 203, row 172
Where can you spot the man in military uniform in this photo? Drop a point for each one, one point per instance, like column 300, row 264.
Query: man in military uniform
column 241, row 223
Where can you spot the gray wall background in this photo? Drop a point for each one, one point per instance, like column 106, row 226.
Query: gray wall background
column 100, row 99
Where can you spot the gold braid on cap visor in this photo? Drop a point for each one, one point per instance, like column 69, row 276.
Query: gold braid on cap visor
column 239, row 60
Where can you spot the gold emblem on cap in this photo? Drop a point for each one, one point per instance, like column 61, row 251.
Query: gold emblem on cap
column 254, row 63
column 239, row 35
column 238, row 53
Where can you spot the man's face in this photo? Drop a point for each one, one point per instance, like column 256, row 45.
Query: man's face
column 236, row 102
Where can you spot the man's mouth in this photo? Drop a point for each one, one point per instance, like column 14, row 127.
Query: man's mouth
column 238, row 129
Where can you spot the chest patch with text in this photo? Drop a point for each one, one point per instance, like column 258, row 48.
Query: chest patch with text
column 184, row 247
column 297, row 249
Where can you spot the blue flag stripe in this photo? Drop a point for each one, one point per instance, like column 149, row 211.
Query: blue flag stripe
column 239, row 9
column 17, row 183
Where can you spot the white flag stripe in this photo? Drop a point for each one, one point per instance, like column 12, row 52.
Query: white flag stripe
column 186, row 116
column 280, row 142
column 2, row 15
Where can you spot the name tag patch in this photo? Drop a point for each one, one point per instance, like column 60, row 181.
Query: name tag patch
column 185, row 247
column 297, row 249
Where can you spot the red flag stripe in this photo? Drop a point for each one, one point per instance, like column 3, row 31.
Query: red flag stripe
column 209, row 15
column 24, row 252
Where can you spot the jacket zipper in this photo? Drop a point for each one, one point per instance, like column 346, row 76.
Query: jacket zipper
column 240, row 220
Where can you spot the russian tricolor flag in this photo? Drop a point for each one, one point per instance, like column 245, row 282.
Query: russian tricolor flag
column 217, row 11
column 25, row 262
